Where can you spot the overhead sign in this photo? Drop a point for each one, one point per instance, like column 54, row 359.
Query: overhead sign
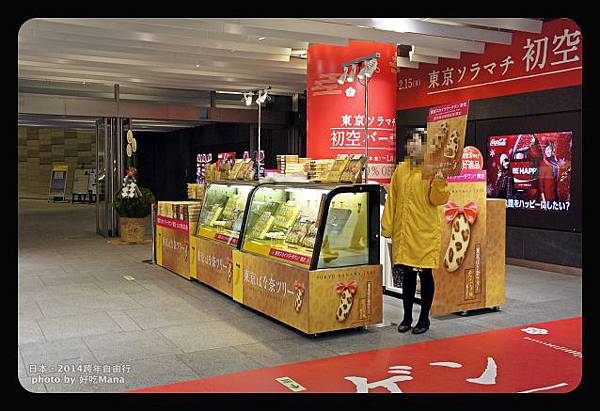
column 532, row 62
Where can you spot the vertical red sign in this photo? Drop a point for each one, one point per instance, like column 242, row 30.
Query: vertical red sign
column 336, row 113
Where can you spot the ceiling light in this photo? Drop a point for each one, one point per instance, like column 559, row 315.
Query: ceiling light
column 352, row 74
column 342, row 78
column 261, row 38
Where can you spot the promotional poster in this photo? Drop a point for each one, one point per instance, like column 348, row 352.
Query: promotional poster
column 336, row 112
column 460, row 277
column 446, row 129
column 531, row 171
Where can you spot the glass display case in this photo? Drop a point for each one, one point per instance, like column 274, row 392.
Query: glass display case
column 223, row 211
column 314, row 226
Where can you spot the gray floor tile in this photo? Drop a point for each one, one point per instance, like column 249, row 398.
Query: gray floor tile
column 206, row 335
column 73, row 278
column 218, row 361
column 51, row 354
column 78, row 326
column 65, row 291
column 30, row 332
column 31, row 386
column 454, row 328
column 286, row 351
column 120, row 286
column 124, row 321
column 166, row 369
column 33, row 282
column 29, row 310
column 163, row 369
column 153, row 299
column 346, row 342
column 130, row 345
column 166, row 315
column 58, row 307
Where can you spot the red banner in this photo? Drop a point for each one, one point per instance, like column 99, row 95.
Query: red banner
column 336, row 113
column 532, row 62
column 226, row 239
column 286, row 255
column 173, row 223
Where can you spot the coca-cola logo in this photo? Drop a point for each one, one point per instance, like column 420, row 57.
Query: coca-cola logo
column 501, row 142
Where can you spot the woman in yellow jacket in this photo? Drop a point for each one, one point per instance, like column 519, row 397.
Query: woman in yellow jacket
column 412, row 219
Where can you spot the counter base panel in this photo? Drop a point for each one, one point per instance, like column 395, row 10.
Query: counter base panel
column 310, row 301
column 212, row 264
column 173, row 251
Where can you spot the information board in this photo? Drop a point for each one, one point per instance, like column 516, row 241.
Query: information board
column 58, row 182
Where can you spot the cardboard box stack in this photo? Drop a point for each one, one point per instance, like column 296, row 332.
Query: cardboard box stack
column 195, row 191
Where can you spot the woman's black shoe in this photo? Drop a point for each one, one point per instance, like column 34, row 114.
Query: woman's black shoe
column 420, row 330
column 403, row 328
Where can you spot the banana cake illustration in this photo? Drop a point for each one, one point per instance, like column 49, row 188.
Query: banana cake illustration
column 461, row 218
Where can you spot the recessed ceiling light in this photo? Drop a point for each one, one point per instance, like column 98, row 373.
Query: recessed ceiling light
column 197, row 65
column 261, row 38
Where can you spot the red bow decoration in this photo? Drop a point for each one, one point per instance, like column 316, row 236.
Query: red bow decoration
column 298, row 286
column 469, row 210
column 340, row 287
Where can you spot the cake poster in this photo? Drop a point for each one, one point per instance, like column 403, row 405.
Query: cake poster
column 446, row 129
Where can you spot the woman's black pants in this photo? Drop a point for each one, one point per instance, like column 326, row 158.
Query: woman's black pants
column 409, row 286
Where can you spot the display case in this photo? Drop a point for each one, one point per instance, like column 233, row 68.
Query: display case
column 309, row 255
column 217, row 233
column 223, row 211
column 314, row 226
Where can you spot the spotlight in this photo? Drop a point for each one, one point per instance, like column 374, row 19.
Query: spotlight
column 352, row 74
column 343, row 76
column 247, row 98
column 262, row 96
column 371, row 67
column 361, row 73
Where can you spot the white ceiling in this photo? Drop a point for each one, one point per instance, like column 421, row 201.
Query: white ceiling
column 229, row 54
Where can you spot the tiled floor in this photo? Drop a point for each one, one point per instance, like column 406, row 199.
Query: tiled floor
column 76, row 308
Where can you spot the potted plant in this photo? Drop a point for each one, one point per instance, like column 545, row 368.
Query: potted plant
column 133, row 203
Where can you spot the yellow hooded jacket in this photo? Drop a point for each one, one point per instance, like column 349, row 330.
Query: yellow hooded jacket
column 412, row 217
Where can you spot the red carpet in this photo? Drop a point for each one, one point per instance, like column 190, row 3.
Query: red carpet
column 547, row 360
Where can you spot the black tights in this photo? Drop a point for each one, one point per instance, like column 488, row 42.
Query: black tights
column 409, row 286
